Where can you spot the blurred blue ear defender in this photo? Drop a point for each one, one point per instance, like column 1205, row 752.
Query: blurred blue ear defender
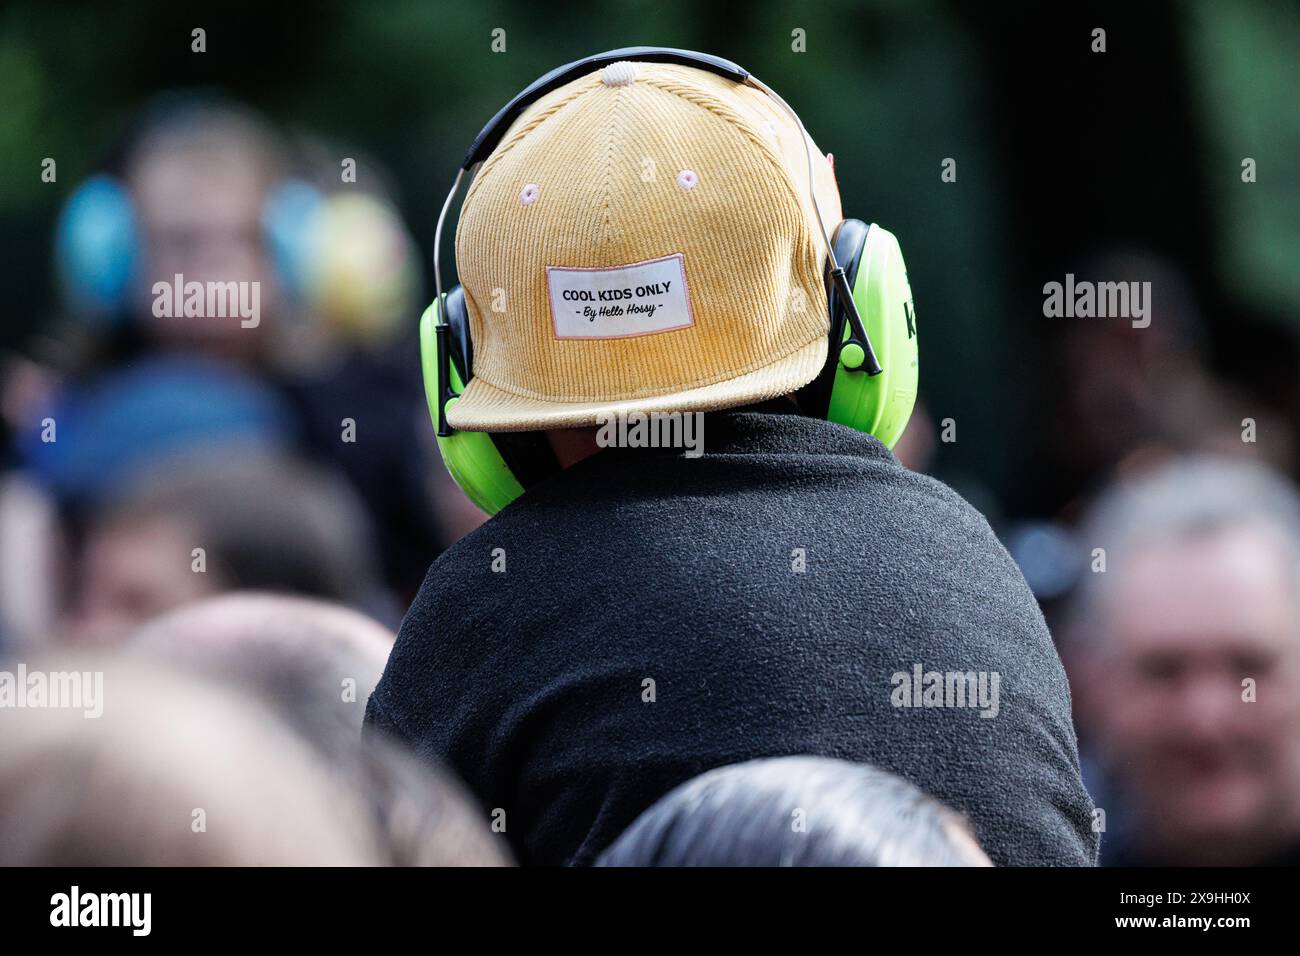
column 97, row 245
column 97, row 248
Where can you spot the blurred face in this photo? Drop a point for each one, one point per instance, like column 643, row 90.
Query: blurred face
column 133, row 571
column 1212, row 777
column 200, row 215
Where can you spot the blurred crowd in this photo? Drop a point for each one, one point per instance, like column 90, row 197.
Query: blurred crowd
column 228, row 519
column 292, row 448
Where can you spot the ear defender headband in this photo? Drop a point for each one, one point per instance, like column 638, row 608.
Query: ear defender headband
column 869, row 381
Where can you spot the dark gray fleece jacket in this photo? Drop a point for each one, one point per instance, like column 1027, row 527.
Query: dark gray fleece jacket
column 659, row 616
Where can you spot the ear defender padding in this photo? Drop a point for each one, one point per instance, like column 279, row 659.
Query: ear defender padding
column 472, row 458
column 97, row 248
column 878, row 404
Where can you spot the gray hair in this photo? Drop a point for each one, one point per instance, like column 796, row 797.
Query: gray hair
column 1187, row 498
column 748, row 814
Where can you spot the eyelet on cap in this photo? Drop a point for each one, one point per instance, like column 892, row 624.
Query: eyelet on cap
column 528, row 195
column 687, row 179
column 622, row 73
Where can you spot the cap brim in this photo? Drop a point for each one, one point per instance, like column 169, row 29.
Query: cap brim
column 486, row 408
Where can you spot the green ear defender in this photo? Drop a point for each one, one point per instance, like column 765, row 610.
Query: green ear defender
column 847, row 392
column 494, row 469
column 472, row 458
column 869, row 379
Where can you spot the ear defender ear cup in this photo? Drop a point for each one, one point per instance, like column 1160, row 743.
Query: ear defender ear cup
column 96, row 248
column 472, row 458
column 877, row 404
column 291, row 219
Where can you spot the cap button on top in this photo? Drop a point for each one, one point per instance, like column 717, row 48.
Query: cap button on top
column 621, row 73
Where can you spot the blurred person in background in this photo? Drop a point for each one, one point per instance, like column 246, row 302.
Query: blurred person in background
column 262, row 522
column 198, row 176
column 1126, row 393
column 355, row 374
column 31, row 562
column 203, row 190
column 1128, row 389
column 98, row 442
column 1184, row 656
column 797, row 811
column 315, row 664
column 175, row 771
column 195, row 187
column 107, row 434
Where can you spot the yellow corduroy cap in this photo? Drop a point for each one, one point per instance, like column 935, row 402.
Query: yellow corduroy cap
column 643, row 239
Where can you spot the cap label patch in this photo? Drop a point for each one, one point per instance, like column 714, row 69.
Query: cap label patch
column 637, row 299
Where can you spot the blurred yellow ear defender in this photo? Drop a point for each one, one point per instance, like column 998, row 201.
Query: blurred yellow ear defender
column 869, row 382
